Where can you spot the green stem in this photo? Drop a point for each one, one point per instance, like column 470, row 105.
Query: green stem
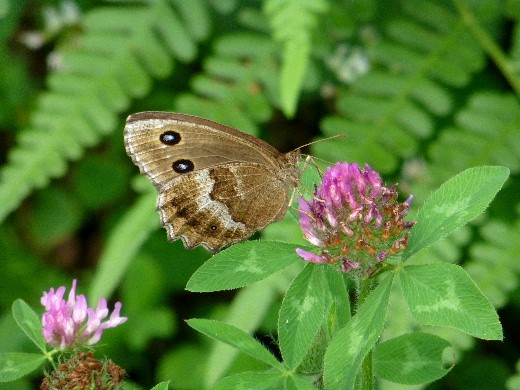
column 490, row 47
column 363, row 288
column 49, row 355
column 365, row 379
column 366, row 376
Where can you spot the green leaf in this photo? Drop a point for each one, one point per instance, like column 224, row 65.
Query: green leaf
column 130, row 233
column 494, row 264
column 455, row 203
column 197, row 17
column 231, row 335
column 30, row 322
column 296, row 61
column 265, row 380
column 417, row 66
column 14, row 365
column 293, row 24
column 294, row 382
column 161, row 386
column 263, row 296
column 350, row 345
column 175, row 33
column 242, row 264
column 339, row 312
column 413, row 358
column 486, row 129
column 117, row 52
column 443, row 294
column 301, row 314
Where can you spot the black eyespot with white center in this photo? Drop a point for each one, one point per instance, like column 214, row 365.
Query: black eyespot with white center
column 213, row 227
column 183, row 166
column 170, row 138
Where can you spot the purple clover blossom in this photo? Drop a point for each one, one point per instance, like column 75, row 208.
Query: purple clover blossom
column 353, row 219
column 72, row 322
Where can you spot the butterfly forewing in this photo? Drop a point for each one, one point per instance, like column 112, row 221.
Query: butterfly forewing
column 198, row 140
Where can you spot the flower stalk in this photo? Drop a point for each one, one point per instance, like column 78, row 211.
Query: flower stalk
column 355, row 223
column 70, row 326
column 366, row 375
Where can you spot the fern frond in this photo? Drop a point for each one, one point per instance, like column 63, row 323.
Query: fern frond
column 488, row 133
column 495, row 262
column 294, row 22
column 241, row 80
column 387, row 112
column 114, row 60
column 239, row 84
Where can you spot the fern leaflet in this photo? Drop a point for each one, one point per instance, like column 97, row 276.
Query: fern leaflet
column 387, row 112
column 294, row 23
column 98, row 72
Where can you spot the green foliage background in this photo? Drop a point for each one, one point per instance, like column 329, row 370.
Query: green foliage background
column 422, row 90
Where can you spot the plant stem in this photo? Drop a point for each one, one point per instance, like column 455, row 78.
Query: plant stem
column 490, row 47
column 365, row 377
column 49, row 357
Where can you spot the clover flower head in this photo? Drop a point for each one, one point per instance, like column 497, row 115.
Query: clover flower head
column 71, row 322
column 353, row 219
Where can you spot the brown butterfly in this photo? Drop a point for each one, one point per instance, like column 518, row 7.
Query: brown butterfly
column 217, row 185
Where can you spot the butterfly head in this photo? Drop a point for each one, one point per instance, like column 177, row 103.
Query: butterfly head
column 289, row 164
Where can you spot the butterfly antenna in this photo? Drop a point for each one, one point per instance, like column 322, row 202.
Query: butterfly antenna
column 320, row 140
column 313, row 158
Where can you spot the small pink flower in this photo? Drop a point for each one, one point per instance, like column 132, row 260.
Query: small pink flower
column 353, row 219
column 311, row 257
column 72, row 322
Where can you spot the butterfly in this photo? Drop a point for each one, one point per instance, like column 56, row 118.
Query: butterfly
column 217, row 186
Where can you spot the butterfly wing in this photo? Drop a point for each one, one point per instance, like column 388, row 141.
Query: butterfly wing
column 218, row 206
column 156, row 141
column 217, row 186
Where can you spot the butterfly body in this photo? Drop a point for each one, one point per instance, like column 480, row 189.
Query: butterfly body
column 217, row 186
